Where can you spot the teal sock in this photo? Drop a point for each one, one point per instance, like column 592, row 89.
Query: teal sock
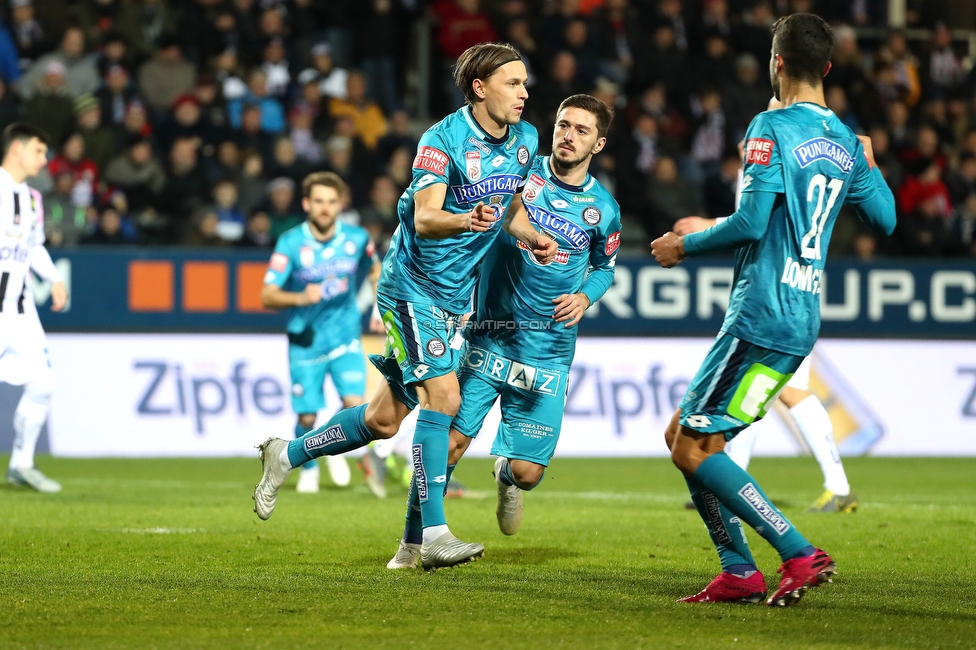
column 344, row 432
column 724, row 528
column 450, row 473
column 299, row 432
column 740, row 493
column 413, row 529
column 430, row 448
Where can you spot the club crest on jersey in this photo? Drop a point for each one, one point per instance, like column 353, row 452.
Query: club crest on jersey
column 472, row 164
column 592, row 215
column 349, row 248
column 823, row 149
column 306, row 256
column 533, row 187
column 566, row 229
column 522, row 155
column 436, row 348
column 497, row 184
column 759, row 151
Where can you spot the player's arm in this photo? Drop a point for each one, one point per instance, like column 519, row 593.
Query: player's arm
column 517, row 225
column 272, row 294
column 41, row 262
column 870, row 195
column 375, row 319
column 599, row 277
column 746, row 225
column 431, row 221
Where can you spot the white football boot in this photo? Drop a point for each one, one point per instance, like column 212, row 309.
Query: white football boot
column 407, row 557
column 510, row 506
column 266, row 492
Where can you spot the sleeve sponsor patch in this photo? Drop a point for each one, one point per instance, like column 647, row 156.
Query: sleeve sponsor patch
column 613, row 242
column 759, row 151
column 431, row 159
column 279, row 262
column 370, row 248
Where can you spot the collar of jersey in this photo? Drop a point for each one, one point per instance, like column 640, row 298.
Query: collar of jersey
column 473, row 123
column 11, row 177
column 815, row 107
column 308, row 232
column 551, row 177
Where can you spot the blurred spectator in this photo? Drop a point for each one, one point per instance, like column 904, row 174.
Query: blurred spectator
column 115, row 95
column 9, row 63
column 311, row 98
column 281, row 207
column 560, row 84
column 752, row 33
column 380, row 217
column 145, row 24
column 246, row 23
column 348, row 214
column 230, row 220
column 96, row 18
column 379, row 43
column 272, row 115
column 670, row 197
column 962, row 181
column 303, row 142
column 221, row 34
column 138, row 173
column 367, row 115
column 709, row 138
column 252, row 188
column 136, row 125
column 461, row 24
column 50, row 106
column 213, row 109
column 578, row 42
column 837, row 102
column 664, row 62
column 944, row 69
column 229, row 74
column 847, row 68
column 186, row 122
column 115, row 51
column 226, row 164
column 519, row 33
column 64, row 221
column 746, row 95
column 71, row 158
column 332, row 81
column 925, row 152
column 616, row 27
column 339, row 158
column 899, row 128
column 257, row 233
column 108, row 231
column 399, row 168
column 886, row 160
column 100, row 141
column 186, row 186
column 166, row 76
column 715, row 66
column 399, row 135
column 928, row 188
column 204, row 230
column 10, row 107
column 719, row 189
column 925, row 232
column 865, row 246
column 905, row 66
column 80, row 75
column 285, row 163
column 27, row 42
column 637, row 156
column 275, row 67
column 251, row 135
column 671, row 14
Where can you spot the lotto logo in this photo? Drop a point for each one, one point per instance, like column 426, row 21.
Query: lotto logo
column 431, row 159
column 698, row 421
column 759, row 151
column 613, row 242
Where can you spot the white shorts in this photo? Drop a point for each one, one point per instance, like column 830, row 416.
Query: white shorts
column 23, row 348
column 801, row 378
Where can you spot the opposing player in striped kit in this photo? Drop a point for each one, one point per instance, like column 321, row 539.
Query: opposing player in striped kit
column 23, row 346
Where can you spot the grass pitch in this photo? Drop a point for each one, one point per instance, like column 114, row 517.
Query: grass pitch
column 167, row 554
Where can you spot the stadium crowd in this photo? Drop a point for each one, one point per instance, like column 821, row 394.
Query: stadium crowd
column 193, row 121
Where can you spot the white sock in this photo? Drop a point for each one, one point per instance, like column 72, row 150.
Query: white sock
column 29, row 419
column 284, row 460
column 739, row 449
column 314, row 469
column 433, row 532
column 814, row 423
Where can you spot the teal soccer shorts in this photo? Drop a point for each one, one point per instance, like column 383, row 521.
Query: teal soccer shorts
column 532, row 403
column 422, row 342
column 735, row 386
column 309, row 365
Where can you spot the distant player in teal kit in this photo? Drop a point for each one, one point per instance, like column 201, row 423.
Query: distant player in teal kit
column 801, row 165
column 312, row 274
column 522, row 336
column 468, row 177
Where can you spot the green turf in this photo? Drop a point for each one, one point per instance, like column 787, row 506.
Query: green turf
column 167, row 553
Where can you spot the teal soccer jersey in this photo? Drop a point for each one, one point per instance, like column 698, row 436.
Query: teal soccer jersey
column 299, row 259
column 813, row 164
column 513, row 301
column 475, row 167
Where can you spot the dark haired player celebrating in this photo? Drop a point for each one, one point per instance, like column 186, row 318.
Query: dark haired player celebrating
column 801, row 165
column 469, row 171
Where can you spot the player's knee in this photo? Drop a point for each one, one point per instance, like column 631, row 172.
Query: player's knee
column 444, row 401
column 527, row 475
column 381, row 425
column 306, row 420
column 672, row 431
column 41, row 388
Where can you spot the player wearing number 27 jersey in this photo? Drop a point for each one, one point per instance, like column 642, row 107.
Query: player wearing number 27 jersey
column 800, row 165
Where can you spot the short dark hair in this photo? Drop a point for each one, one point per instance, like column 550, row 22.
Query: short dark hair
column 480, row 62
column 22, row 132
column 599, row 108
column 326, row 179
column 806, row 43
